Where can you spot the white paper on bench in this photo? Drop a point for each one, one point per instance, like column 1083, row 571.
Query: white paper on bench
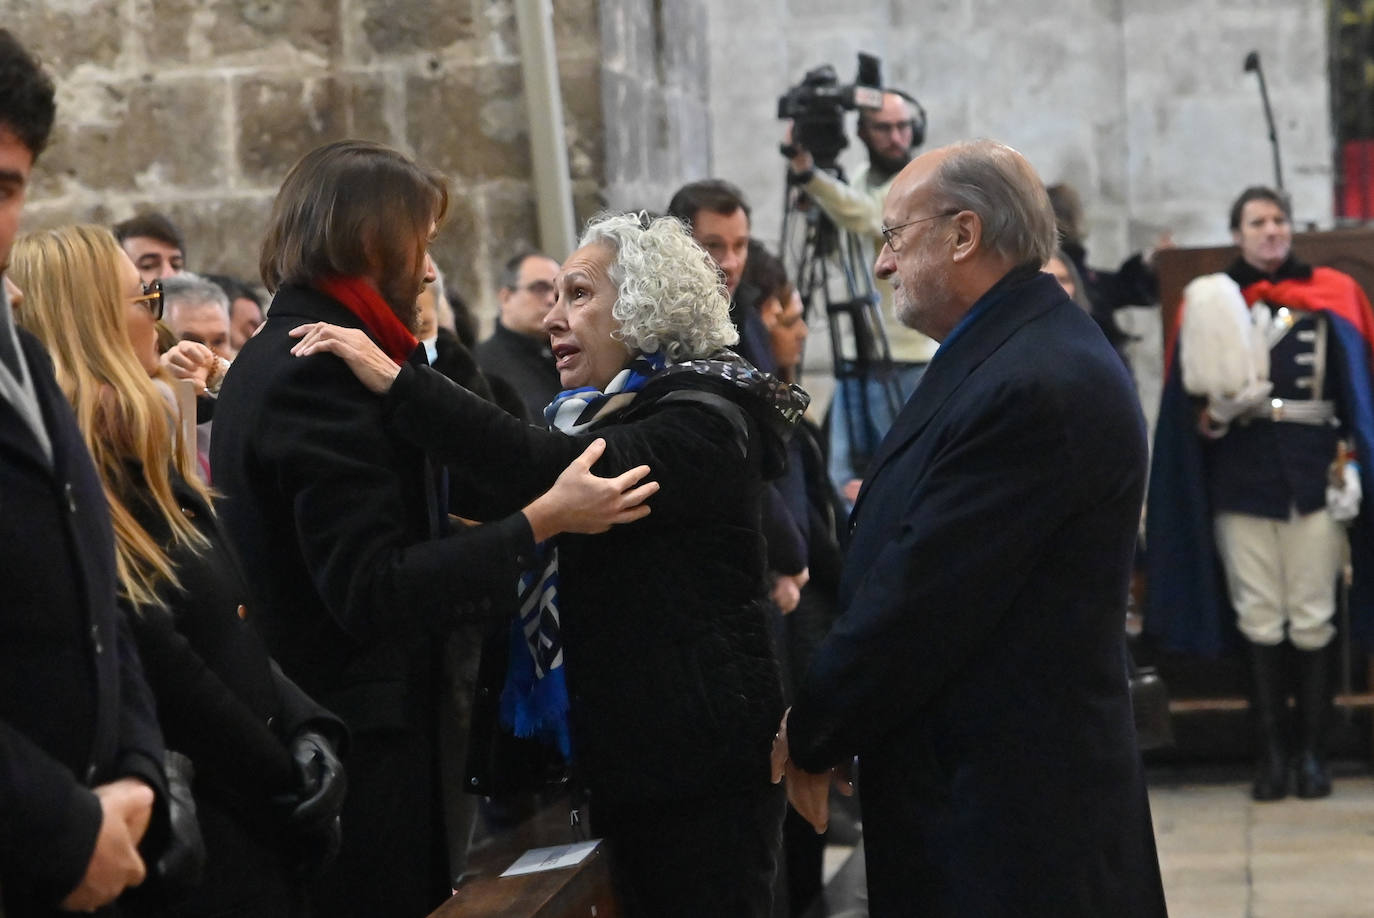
column 537, row 859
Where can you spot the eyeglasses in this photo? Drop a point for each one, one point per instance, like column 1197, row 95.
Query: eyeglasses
column 151, row 299
column 540, row 288
column 890, row 232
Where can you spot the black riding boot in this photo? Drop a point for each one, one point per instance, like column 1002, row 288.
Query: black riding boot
column 1269, row 707
column 1314, row 704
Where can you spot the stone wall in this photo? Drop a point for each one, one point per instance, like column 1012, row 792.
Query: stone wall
column 655, row 84
column 198, row 107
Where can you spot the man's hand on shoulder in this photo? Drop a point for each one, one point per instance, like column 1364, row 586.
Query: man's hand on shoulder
column 126, row 806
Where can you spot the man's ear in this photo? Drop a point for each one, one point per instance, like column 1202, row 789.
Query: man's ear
column 968, row 235
column 1235, row 236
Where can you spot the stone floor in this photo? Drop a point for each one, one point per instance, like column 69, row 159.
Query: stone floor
column 1225, row 856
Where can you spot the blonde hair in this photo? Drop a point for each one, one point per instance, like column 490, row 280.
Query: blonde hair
column 74, row 305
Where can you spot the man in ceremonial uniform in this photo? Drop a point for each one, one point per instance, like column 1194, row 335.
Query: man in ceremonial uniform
column 1271, row 374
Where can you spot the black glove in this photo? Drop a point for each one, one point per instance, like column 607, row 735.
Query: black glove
column 182, row 862
column 316, row 802
column 311, row 810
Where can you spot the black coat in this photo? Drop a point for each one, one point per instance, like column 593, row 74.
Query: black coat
column 340, row 524
column 525, row 363
column 673, row 683
column 74, row 709
column 978, row 667
column 224, row 704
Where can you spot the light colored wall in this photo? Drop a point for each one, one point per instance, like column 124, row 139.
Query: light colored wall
column 1143, row 106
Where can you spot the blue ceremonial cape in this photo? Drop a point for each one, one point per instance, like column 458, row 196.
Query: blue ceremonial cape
column 1186, row 607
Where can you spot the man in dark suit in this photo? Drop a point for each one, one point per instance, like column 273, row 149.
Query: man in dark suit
column 978, row 668
column 80, row 750
column 518, row 351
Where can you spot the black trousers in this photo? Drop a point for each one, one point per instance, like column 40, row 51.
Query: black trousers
column 712, row 856
column 393, row 858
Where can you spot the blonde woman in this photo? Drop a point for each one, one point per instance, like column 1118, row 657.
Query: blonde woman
column 268, row 784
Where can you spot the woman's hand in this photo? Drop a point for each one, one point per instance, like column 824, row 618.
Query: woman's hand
column 368, row 362
column 582, row 502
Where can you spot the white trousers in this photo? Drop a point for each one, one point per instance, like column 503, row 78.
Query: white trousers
column 1282, row 573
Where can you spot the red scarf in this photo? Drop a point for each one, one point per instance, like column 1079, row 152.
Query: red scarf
column 363, row 300
column 1328, row 290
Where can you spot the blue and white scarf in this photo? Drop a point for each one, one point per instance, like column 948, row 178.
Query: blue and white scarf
column 534, row 701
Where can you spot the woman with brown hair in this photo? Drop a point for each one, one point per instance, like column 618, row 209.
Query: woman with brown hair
column 346, row 524
column 268, row 784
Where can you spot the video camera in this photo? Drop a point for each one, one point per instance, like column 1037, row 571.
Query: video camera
column 817, row 105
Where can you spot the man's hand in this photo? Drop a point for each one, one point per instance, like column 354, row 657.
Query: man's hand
column 786, row 592
column 582, row 502
column 126, row 806
column 800, row 162
column 787, row 589
column 808, row 793
column 190, row 360
column 1225, row 409
column 1163, row 242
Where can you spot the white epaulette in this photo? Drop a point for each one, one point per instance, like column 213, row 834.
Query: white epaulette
column 1223, row 344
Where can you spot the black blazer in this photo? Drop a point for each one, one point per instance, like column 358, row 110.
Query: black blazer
column 74, row 709
column 674, row 686
column 978, row 667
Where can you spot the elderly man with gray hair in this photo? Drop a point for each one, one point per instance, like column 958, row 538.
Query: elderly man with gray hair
column 196, row 309
column 978, row 667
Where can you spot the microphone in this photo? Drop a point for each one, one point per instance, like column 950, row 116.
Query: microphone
column 1252, row 65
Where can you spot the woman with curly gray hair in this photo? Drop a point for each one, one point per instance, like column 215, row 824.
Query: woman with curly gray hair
column 643, row 652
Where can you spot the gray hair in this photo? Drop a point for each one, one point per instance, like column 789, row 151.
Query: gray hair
column 996, row 183
column 669, row 293
column 187, row 289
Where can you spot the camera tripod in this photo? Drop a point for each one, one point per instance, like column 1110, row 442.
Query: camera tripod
column 831, row 271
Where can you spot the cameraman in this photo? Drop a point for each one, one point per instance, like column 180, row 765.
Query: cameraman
column 891, row 134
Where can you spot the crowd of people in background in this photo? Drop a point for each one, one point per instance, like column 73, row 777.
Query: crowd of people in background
column 293, row 564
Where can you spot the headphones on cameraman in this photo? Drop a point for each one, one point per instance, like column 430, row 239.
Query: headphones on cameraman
column 918, row 115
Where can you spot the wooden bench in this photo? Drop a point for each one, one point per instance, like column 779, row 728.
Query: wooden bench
column 584, row 890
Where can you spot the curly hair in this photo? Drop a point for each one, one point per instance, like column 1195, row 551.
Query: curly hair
column 669, row 294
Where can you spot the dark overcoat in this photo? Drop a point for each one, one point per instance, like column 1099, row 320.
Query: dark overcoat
column 673, row 679
column 74, row 709
column 341, row 525
column 225, row 705
column 675, row 693
column 978, row 667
